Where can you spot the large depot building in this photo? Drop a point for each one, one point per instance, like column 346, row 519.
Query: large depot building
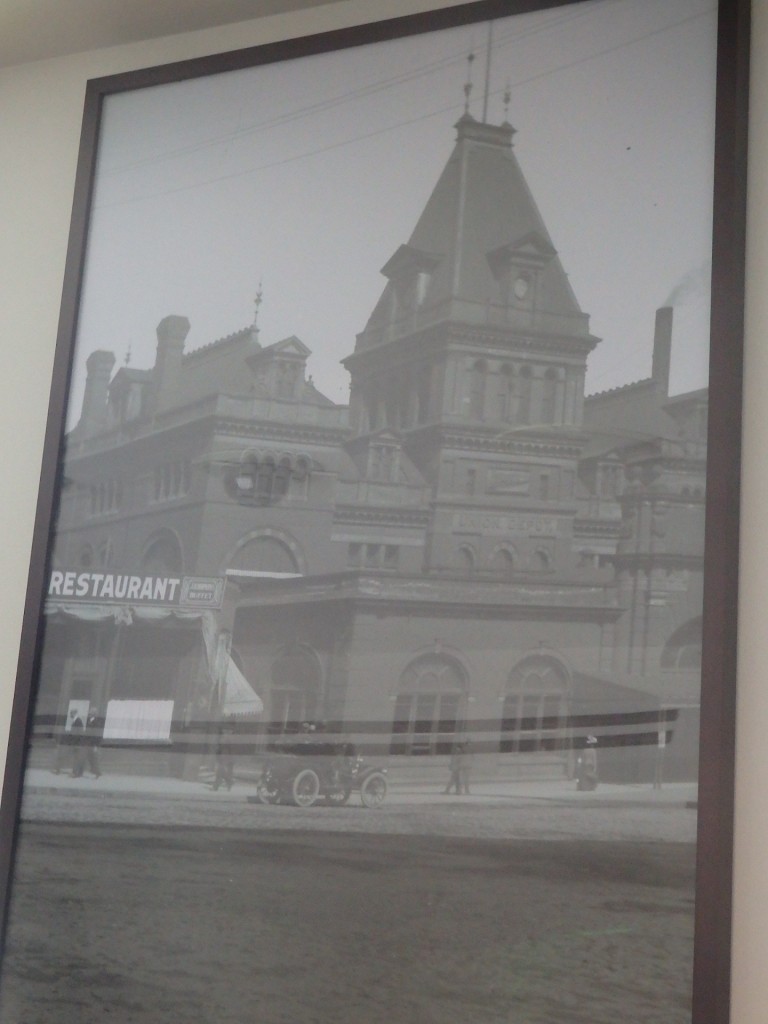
column 470, row 545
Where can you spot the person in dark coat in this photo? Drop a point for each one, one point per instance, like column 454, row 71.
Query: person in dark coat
column 94, row 731
column 77, row 741
column 586, row 766
column 454, row 767
column 64, row 745
column 225, row 757
column 465, row 766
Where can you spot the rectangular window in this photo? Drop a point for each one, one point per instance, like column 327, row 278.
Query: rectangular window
column 391, row 556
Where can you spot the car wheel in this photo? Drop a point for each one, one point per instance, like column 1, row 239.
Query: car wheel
column 306, row 788
column 373, row 791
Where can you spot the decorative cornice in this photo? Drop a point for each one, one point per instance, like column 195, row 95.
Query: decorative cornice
column 435, row 596
column 610, row 528
column 305, row 433
column 446, row 334
column 482, row 440
column 657, row 560
column 358, row 515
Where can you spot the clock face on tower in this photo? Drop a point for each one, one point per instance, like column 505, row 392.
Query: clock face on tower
column 521, row 286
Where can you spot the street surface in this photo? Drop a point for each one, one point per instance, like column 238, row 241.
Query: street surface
column 144, row 900
column 519, row 810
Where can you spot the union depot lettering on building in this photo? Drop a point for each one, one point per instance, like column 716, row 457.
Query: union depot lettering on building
column 470, row 548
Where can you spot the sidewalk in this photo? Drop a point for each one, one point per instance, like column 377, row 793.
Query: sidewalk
column 401, row 790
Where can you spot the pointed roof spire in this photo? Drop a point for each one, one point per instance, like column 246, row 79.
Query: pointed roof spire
column 507, row 100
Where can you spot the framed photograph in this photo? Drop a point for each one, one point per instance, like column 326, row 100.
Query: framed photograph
column 379, row 655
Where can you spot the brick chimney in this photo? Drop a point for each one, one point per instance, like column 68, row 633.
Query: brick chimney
column 93, row 416
column 662, row 348
column 172, row 332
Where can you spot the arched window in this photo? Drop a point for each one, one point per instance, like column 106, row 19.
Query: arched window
column 503, row 563
column 264, row 479
column 294, row 695
column 281, row 478
column 504, row 392
column 683, row 649
column 430, row 707
column 477, row 390
column 549, row 396
column 392, row 402
column 535, row 706
column 162, row 555
column 266, row 554
column 524, row 395
column 423, row 394
column 541, row 560
column 465, row 559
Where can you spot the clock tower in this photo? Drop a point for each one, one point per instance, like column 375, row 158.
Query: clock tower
column 475, row 357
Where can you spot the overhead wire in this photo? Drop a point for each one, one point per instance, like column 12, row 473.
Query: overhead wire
column 242, row 172
column 363, row 91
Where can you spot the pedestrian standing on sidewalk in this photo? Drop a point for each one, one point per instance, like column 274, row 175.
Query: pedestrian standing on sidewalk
column 225, row 758
column 465, row 766
column 77, row 739
column 454, row 767
column 94, row 731
column 64, row 745
column 586, row 766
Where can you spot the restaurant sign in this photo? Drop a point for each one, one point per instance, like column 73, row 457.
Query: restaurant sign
column 85, row 587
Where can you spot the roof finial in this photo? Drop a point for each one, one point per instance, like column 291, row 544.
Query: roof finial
column 468, row 86
column 128, row 355
column 507, row 99
column 257, row 306
column 487, row 72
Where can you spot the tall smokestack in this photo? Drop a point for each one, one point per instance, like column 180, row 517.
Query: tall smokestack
column 662, row 348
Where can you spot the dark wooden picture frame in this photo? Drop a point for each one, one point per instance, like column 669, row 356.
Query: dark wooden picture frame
column 711, row 962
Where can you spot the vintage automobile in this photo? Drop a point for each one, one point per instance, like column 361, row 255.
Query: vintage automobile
column 313, row 771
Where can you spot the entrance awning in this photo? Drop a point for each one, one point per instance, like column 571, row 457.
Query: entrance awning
column 240, row 698
column 233, row 694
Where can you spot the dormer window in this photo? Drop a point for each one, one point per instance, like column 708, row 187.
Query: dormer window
column 285, row 380
column 410, row 272
column 382, row 463
column 421, row 285
column 516, row 265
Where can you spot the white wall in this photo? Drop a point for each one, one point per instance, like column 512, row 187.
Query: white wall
column 40, row 111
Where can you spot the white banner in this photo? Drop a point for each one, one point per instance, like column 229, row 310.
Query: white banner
column 138, row 720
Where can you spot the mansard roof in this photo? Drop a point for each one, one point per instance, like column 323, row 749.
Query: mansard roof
column 480, row 223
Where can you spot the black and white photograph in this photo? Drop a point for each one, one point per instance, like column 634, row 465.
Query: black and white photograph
column 368, row 684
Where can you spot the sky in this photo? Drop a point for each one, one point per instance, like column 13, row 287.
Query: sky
column 299, row 180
